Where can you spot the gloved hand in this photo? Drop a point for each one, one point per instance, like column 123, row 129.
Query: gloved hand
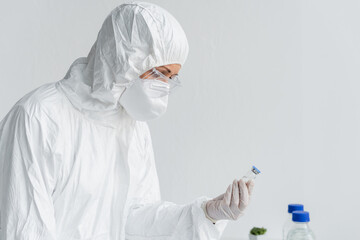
column 231, row 204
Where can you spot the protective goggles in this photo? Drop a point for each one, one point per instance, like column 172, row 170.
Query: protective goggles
column 159, row 85
column 154, row 74
column 155, row 84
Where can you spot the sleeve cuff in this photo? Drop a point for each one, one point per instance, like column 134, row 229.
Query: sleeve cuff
column 207, row 227
column 203, row 206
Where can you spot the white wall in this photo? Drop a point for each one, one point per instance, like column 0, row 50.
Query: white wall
column 271, row 83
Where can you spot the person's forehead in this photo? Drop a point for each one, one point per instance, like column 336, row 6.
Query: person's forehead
column 171, row 67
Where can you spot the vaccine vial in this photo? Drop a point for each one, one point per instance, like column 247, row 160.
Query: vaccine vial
column 251, row 175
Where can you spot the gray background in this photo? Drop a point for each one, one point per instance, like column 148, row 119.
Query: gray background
column 271, row 83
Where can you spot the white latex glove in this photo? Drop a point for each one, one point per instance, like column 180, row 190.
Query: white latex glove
column 231, row 204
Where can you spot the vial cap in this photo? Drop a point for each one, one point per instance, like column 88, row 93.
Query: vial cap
column 256, row 170
column 295, row 207
column 300, row 216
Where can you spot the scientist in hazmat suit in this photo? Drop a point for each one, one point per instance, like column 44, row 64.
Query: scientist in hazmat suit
column 76, row 155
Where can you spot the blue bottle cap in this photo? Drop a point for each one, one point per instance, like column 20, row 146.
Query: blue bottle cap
column 295, row 207
column 256, row 170
column 300, row 216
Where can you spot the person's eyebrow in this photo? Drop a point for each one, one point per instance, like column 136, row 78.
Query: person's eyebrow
column 169, row 71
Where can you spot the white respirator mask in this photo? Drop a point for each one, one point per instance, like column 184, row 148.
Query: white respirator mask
column 147, row 98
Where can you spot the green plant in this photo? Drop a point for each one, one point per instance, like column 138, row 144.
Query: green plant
column 258, row 231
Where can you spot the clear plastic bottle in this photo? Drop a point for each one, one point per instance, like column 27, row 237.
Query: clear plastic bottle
column 251, row 175
column 300, row 230
column 288, row 223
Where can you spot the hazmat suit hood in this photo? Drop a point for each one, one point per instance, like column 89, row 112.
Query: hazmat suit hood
column 134, row 38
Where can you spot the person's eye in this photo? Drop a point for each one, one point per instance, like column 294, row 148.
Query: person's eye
column 165, row 73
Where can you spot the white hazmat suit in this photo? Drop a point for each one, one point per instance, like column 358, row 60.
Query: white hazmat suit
column 75, row 165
